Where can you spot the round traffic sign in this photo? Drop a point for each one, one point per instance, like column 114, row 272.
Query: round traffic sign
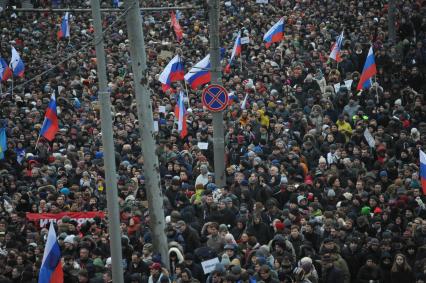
column 215, row 98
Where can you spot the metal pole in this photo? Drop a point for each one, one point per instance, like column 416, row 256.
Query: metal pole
column 109, row 152
column 82, row 10
column 146, row 129
column 216, row 78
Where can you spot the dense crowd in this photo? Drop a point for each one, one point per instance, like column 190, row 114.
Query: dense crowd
column 308, row 197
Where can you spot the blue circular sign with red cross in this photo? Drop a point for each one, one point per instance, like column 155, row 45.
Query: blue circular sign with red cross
column 215, row 98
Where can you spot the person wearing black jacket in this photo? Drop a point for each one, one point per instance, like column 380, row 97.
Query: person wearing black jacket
column 330, row 273
column 369, row 272
column 192, row 240
column 137, row 265
column 351, row 252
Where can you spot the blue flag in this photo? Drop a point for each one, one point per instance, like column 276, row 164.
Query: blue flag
column 3, row 142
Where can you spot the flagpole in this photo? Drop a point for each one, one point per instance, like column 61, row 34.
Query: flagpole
column 377, row 89
column 12, row 87
column 187, row 94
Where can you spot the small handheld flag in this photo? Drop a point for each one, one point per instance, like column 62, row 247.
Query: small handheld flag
column 5, row 71
column 51, row 266
column 335, row 49
column 368, row 72
column 236, row 51
column 180, row 113
column 173, row 72
column 64, row 31
column 423, row 171
column 50, row 125
column 16, row 64
column 275, row 33
column 3, row 142
column 176, row 27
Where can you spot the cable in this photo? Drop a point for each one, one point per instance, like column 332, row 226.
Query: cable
column 77, row 51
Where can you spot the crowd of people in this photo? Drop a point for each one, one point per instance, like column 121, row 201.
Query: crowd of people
column 322, row 180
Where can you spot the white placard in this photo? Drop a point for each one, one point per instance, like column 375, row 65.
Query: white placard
column 203, row 145
column 162, row 109
column 336, row 87
column 209, row 265
column 348, row 84
column 245, row 40
column 369, row 138
column 262, row 1
column 155, row 126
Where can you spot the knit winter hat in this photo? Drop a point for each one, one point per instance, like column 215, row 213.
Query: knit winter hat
column 365, row 210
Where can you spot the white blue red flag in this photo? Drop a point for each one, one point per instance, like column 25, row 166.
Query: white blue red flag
column 50, row 125
column 423, row 171
column 335, row 49
column 173, row 72
column 199, row 73
column 275, row 33
column 180, row 114
column 5, row 71
column 51, row 266
column 236, row 51
column 16, row 64
column 64, row 31
column 368, row 72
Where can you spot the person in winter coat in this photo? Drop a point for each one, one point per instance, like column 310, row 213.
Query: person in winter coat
column 385, row 266
column 260, row 230
column 330, row 273
column 175, row 257
column 401, row 271
column 369, row 272
column 192, row 240
column 351, row 252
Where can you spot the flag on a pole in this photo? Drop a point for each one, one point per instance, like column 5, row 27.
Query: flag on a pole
column 5, row 71
column 174, row 71
column 50, row 125
column 423, row 171
column 16, row 64
column 236, row 51
column 176, row 26
column 51, row 266
column 3, row 142
column 335, row 49
column 368, row 72
column 199, row 73
column 180, row 113
column 64, row 31
column 275, row 33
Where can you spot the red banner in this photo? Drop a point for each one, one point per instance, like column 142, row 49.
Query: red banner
column 80, row 217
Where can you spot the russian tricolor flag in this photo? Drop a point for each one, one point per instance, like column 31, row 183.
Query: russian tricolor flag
column 50, row 125
column 368, row 72
column 173, row 72
column 16, row 64
column 51, row 266
column 199, row 73
column 236, row 51
column 335, row 49
column 5, row 71
column 64, row 31
column 180, row 113
column 176, row 27
column 423, row 171
column 275, row 34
